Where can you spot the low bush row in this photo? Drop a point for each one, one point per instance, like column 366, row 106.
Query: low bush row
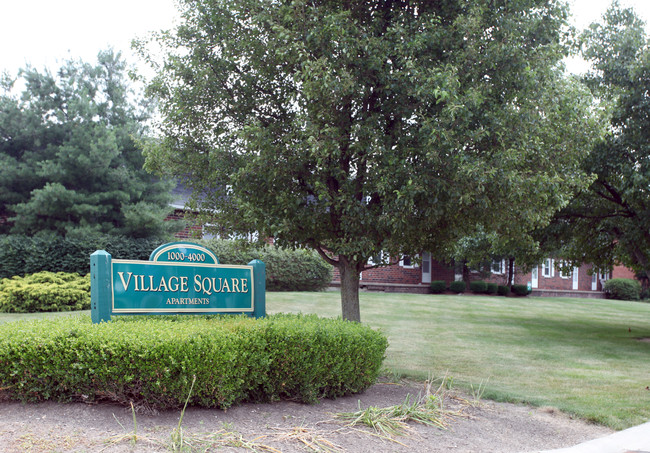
column 22, row 255
column 503, row 290
column 520, row 290
column 478, row 287
column 152, row 361
column 286, row 270
column 457, row 287
column 45, row 291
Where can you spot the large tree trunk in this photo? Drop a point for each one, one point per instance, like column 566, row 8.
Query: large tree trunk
column 349, row 290
column 511, row 271
column 467, row 276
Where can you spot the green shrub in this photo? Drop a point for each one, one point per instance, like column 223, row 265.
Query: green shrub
column 622, row 289
column 438, row 286
column 503, row 290
column 520, row 290
column 286, row 270
column 457, row 287
column 22, row 255
column 478, row 287
column 153, row 360
column 45, row 291
column 492, row 288
column 295, row 270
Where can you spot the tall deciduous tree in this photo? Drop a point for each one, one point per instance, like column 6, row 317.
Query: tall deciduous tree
column 609, row 222
column 356, row 127
column 69, row 157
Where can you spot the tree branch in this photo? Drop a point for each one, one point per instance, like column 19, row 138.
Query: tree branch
column 325, row 256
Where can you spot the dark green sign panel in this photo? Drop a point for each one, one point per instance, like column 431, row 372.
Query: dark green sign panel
column 179, row 278
column 141, row 287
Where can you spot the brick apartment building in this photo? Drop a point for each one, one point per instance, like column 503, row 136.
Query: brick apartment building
column 546, row 279
column 408, row 275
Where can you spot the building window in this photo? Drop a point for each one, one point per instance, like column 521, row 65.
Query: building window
column 426, row 263
column 564, row 270
column 211, row 231
column 407, row 262
column 498, row 267
column 547, row 268
column 377, row 259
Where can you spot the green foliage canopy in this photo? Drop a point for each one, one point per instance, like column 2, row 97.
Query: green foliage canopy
column 608, row 223
column 361, row 127
column 69, row 153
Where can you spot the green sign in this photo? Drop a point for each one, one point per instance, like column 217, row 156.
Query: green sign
column 178, row 278
column 183, row 252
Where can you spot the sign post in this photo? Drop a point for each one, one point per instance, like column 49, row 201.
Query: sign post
column 100, row 286
column 179, row 278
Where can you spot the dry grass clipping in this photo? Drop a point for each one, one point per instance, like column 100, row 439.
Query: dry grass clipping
column 427, row 409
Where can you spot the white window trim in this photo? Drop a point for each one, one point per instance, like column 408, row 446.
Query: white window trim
column 250, row 237
column 561, row 273
column 411, row 266
column 426, row 258
column 371, row 261
column 550, row 268
column 502, row 267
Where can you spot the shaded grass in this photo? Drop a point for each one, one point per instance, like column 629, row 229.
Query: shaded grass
column 581, row 356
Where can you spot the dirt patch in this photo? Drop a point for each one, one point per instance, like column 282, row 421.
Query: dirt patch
column 483, row 426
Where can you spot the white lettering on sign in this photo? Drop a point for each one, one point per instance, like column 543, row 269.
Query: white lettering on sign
column 204, row 285
column 180, row 256
column 188, row 300
column 210, row 285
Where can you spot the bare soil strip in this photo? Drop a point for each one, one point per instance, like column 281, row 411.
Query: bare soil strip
column 471, row 426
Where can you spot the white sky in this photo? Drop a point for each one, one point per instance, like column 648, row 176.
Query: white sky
column 44, row 33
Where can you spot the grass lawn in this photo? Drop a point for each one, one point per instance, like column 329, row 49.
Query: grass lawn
column 582, row 356
column 6, row 317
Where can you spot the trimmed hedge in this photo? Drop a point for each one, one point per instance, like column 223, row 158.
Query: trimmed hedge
column 503, row 290
column 438, row 286
column 520, row 290
column 622, row 289
column 478, row 287
column 153, row 360
column 457, row 287
column 22, row 255
column 45, row 291
column 286, row 270
column 492, row 288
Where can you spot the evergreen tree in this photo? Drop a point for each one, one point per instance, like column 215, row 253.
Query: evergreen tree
column 69, row 154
